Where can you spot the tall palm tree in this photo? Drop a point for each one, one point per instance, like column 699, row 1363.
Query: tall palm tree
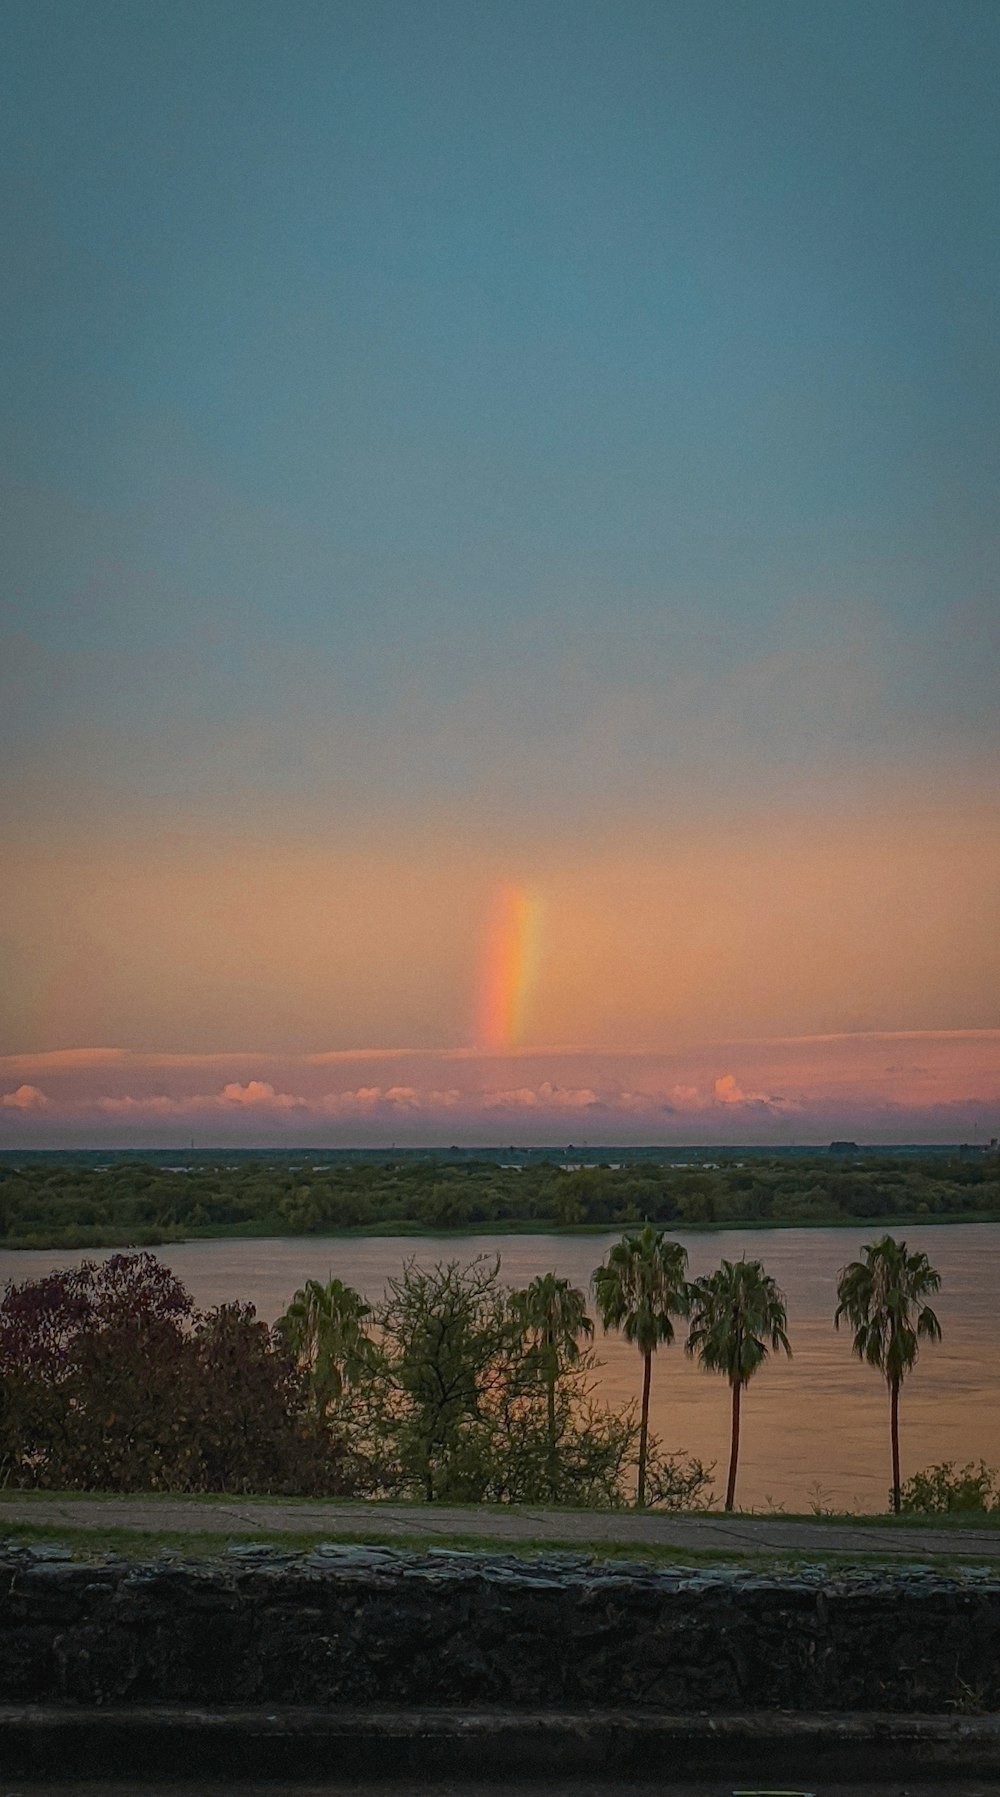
column 552, row 1316
column 639, row 1289
column 882, row 1297
column 737, row 1317
column 324, row 1328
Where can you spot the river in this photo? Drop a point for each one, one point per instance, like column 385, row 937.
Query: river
column 815, row 1429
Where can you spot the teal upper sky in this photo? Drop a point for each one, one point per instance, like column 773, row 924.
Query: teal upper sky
column 542, row 402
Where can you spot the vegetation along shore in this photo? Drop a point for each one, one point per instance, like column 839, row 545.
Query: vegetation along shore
column 453, row 1388
column 129, row 1202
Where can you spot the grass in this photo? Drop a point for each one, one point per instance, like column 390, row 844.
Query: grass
column 90, row 1545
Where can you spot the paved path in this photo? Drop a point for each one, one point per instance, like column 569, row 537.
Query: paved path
column 738, row 1534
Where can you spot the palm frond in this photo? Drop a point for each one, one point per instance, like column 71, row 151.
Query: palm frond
column 738, row 1318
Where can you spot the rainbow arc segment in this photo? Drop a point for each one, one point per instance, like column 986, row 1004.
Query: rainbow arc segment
column 509, row 968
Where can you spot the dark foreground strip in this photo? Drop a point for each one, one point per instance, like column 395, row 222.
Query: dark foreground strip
column 800, row 1752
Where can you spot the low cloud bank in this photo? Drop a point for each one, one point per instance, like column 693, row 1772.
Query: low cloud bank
column 872, row 1087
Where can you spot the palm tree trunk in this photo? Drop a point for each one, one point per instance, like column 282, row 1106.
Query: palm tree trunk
column 894, row 1439
column 551, row 1425
column 640, row 1494
column 734, row 1451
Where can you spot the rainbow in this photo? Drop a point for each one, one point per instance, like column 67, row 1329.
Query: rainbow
column 509, row 967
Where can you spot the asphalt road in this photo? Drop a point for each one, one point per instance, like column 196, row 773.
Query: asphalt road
column 737, row 1534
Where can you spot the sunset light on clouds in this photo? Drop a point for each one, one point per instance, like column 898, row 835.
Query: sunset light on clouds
column 894, row 1086
column 501, row 625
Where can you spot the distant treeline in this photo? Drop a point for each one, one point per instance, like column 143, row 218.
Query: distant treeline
column 135, row 1204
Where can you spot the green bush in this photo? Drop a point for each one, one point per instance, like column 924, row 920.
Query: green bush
column 940, row 1490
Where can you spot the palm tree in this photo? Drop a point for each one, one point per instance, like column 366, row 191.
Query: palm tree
column 737, row 1317
column 882, row 1297
column 324, row 1328
column 640, row 1288
column 552, row 1316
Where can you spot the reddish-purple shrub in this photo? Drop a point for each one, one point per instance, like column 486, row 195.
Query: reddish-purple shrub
column 110, row 1380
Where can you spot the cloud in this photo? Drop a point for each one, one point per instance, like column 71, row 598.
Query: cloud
column 259, row 1094
column 403, row 1098
column 516, row 1098
column 844, row 1086
column 256, row 1095
column 331, row 1056
column 728, row 1091
column 652, row 1103
column 158, row 1105
column 372, row 1100
column 544, row 1097
column 362, row 1102
column 25, row 1098
column 57, row 1060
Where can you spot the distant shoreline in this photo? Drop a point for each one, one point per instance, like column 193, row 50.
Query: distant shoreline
column 520, row 1154
column 133, row 1202
column 403, row 1229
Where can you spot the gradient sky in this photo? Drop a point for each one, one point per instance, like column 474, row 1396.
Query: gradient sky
column 500, row 523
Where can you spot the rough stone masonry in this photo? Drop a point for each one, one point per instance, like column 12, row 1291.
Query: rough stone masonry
column 381, row 1627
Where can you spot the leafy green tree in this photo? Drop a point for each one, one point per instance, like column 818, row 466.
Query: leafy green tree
column 640, row 1288
column 737, row 1317
column 324, row 1327
column 567, row 1205
column 450, row 1344
column 552, row 1316
column 882, row 1297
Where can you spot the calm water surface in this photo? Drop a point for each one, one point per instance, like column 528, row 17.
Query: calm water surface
column 814, row 1427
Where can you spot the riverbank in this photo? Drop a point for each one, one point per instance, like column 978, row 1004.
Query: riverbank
column 84, row 1205
column 268, row 1230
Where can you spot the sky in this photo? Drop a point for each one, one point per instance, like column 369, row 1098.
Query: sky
column 499, row 547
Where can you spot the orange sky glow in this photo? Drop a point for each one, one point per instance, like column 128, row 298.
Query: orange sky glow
column 786, row 981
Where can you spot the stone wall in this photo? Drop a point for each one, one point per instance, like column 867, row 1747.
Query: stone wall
column 379, row 1627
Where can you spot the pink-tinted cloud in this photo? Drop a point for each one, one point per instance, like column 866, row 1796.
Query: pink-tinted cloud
column 25, row 1098
column 543, row 1097
column 728, row 1092
column 158, row 1105
column 925, row 1086
column 259, row 1094
column 373, row 1101
column 59, row 1060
